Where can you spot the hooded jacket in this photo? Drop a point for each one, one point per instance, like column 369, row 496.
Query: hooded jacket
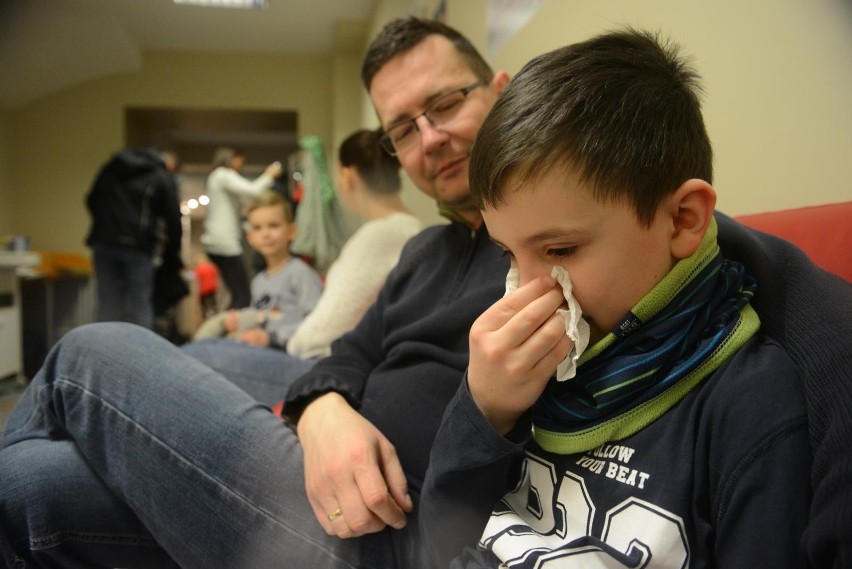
column 129, row 194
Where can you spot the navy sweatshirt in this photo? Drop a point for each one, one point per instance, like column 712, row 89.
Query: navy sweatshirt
column 404, row 361
column 720, row 480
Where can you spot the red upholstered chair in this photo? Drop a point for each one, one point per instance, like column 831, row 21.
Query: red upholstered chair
column 823, row 232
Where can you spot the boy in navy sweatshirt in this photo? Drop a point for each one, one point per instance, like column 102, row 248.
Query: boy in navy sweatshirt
column 679, row 437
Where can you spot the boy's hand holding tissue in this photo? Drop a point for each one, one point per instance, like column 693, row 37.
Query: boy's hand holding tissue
column 515, row 348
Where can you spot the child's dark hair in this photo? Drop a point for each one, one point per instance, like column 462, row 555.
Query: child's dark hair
column 622, row 109
column 378, row 169
column 402, row 34
column 269, row 198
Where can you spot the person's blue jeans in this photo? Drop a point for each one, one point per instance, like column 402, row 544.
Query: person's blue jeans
column 263, row 373
column 124, row 279
column 125, row 452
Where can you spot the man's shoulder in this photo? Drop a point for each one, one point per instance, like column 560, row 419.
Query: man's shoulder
column 438, row 231
column 806, row 309
column 425, row 242
column 440, row 235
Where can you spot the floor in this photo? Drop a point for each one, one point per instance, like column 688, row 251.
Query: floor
column 11, row 388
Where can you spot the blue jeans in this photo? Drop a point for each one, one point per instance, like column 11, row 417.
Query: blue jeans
column 263, row 373
column 125, row 285
column 124, row 452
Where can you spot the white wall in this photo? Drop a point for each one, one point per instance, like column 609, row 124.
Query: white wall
column 5, row 190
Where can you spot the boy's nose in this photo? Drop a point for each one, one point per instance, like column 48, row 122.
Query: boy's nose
column 529, row 271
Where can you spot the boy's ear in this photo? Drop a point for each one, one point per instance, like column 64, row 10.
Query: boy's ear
column 500, row 80
column 691, row 208
column 292, row 230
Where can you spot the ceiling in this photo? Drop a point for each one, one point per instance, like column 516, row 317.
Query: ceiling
column 47, row 45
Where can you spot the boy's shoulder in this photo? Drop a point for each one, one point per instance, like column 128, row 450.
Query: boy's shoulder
column 759, row 386
column 298, row 267
column 297, row 263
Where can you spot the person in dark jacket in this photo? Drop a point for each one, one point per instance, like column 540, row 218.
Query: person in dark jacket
column 132, row 196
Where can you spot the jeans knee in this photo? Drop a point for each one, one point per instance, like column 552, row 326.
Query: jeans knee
column 109, row 337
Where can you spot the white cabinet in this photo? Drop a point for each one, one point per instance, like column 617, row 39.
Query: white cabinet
column 10, row 342
column 11, row 358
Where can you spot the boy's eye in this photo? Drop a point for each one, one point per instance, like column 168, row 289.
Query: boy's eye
column 506, row 253
column 561, row 252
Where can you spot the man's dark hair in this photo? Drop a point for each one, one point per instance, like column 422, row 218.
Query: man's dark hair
column 378, row 169
column 622, row 109
column 402, row 34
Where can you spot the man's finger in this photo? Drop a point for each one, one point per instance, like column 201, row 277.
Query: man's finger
column 395, row 477
column 356, row 517
column 321, row 514
column 376, row 496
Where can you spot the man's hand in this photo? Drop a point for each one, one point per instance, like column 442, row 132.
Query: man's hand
column 350, row 465
column 515, row 346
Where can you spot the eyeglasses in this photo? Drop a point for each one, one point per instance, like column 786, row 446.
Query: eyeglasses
column 441, row 112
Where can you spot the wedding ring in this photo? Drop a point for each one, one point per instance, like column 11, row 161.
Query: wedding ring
column 335, row 514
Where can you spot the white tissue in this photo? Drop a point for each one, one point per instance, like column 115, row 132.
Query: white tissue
column 575, row 327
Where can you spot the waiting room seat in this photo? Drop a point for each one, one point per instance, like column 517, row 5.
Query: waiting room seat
column 823, row 232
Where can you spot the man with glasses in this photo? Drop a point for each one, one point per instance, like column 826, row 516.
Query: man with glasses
column 431, row 91
column 125, row 451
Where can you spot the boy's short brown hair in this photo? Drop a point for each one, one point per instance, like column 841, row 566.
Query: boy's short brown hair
column 271, row 198
column 622, row 109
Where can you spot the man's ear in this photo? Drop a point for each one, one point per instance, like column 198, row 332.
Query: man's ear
column 691, row 207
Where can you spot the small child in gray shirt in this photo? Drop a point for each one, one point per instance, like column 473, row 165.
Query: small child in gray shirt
column 283, row 293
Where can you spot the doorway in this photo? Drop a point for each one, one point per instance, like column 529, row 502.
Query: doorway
column 194, row 134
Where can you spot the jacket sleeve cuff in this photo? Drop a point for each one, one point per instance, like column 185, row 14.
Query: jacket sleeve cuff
column 306, row 389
